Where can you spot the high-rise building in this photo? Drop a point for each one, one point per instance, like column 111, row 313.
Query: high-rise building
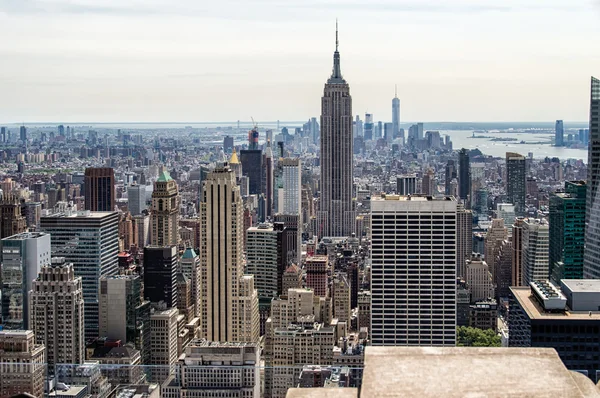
column 591, row 265
column 464, row 238
column 99, row 188
column 23, row 133
column 336, row 215
column 23, row 257
column 165, row 211
column 56, row 302
column 341, row 298
column 479, row 279
column 224, row 284
column 227, row 144
column 368, row 127
column 317, row 268
column 163, row 344
column 413, row 270
column 451, row 174
column 160, row 274
column 252, row 167
column 90, row 241
column 12, row 220
column 517, row 252
column 503, row 269
column 494, row 237
column 535, row 254
column 136, row 199
column 516, row 181
column 567, row 231
column 559, row 134
column 268, row 189
column 190, row 266
column 396, row 115
column 214, row 369
column 406, row 185
column 428, row 183
column 23, row 362
column 124, row 315
column 506, row 211
column 464, row 177
column 565, row 318
column 292, row 186
column 314, row 130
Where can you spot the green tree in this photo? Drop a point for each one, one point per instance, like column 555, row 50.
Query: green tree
column 472, row 337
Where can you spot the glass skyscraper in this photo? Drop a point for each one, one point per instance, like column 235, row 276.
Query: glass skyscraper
column 591, row 264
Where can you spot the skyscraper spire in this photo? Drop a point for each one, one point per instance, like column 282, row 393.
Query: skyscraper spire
column 395, row 91
column 336, row 74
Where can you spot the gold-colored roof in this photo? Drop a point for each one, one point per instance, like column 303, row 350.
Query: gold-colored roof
column 234, row 158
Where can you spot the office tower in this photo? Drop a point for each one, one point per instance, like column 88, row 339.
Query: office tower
column 413, row 266
column 496, row 233
column 479, row 279
column 535, row 250
column 56, row 302
column 32, row 211
column 517, row 252
column 342, row 310
column 252, row 167
column 396, row 114
column 314, row 130
column 165, row 211
column 464, row 177
column 292, row 186
column 160, row 274
column 428, row 183
column 124, row 314
column 236, row 167
column 141, row 230
column 464, row 238
column 99, row 188
column 227, row 144
column 293, row 226
column 388, row 132
column 185, row 304
column 163, row 343
column 503, row 269
column 292, row 279
column 336, row 215
column 567, row 231
column 591, row 265
column 269, row 180
column 317, row 268
column 216, row 369
column 559, row 134
column 90, row 241
column 566, row 319
column 223, row 302
column 406, row 185
column 23, row 364
column 515, row 181
column 190, row 266
column 13, row 222
column 23, row 257
column 253, row 138
column 136, row 199
column 463, row 302
column 368, row 127
column 451, row 174
column 506, row 211
column 23, row 133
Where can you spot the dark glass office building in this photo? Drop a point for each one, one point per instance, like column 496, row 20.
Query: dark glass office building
column 160, row 274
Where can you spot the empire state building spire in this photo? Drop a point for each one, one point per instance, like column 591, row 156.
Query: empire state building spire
column 336, row 74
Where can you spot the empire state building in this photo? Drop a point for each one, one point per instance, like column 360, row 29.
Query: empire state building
column 336, row 215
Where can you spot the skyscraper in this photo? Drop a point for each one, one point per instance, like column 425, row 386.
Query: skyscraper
column 269, row 180
column 451, row 174
column 13, row 222
column 56, row 302
column 591, row 265
column 413, row 271
column 516, row 181
column 228, row 313
column 136, row 199
column 464, row 238
column 464, row 176
column 336, row 215
column 89, row 240
column 567, row 231
column 292, row 186
column 536, row 237
column 559, row 134
column 165, row 211
column 396, row 114
column 100, row 189
column 368, row 127
column 160, row 274
column 23, row 257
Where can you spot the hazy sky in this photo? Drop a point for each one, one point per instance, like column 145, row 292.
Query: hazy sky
column 222, row 60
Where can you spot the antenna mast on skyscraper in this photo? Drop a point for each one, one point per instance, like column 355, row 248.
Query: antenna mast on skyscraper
column 336, row 35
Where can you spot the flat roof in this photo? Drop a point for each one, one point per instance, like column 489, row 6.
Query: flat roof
column 414, row 198
column 582, row 285
column 81, row 214
column 26, row 235
column 534, row 311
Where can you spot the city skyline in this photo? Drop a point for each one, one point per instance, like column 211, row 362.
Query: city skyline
column 149, row 71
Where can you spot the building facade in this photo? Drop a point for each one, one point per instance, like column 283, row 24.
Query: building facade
column 591, row 266
column 160, row 274
column 23, row 364
column 99, row 188
column 516, row 175
column 165, row 211
column 535, row 250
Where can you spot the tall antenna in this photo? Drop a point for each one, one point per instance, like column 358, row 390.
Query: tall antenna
column 396, row 90
column 336, row 35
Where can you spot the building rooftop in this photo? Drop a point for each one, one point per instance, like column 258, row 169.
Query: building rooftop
column 26, row 235
column 414, row 198
column 470, row 371
column 164, row 176
column 80, row 214
column 188, row 253
column 582, row 285
column 535, row 311
column 322, row 392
